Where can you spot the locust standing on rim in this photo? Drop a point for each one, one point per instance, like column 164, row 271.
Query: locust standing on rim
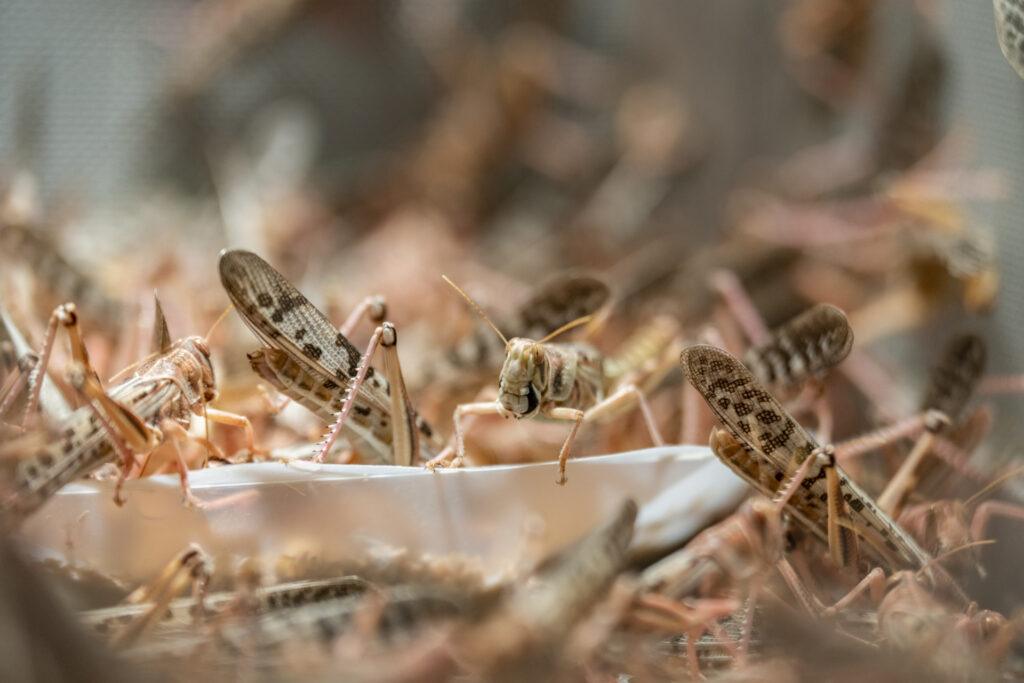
column 131, row 418
column 774, row 454
column 560, row 381
column 309, row 360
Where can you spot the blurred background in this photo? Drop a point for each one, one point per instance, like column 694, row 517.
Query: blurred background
column 370, row 145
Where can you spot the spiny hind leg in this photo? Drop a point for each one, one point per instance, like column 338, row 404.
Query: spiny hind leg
column 405, row 444
column 350, row 397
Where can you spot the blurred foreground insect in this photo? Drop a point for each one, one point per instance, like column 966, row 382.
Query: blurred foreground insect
column 306, row 358
column 775, row 454
column 561, row 381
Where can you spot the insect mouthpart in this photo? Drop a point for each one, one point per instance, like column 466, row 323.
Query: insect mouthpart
column 519, row 405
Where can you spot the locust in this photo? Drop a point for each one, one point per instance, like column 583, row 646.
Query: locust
column 309, row 360
column 181, row 612
column 21, row 244
column 528, row 626
column 570, row 381
column 765, row 446
column 802, row 349
column 154, row 403
column 556, row 302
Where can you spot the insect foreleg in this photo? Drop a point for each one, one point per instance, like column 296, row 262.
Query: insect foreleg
column 235, row 420
column 455, row 457
column 176, row 434
column 577, row 416
column 191, row 566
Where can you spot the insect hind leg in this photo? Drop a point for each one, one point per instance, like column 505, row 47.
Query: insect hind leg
column 65, row 315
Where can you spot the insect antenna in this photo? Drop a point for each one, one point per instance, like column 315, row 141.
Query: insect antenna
column 202, row 389
column 571, row 325
column 218, row 321
column 988, row 488
column 476, row 307
column 949, row 553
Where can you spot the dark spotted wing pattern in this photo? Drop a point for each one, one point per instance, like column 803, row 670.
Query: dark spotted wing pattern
column 555, row 303
column 805, row 347
column 284, row 319
column 763, row 426
column 558, row 302
column 953, row 379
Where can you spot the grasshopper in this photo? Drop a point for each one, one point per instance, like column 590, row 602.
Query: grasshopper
column 133, row 417
column 306, row 358
column 526, row 629
column 802, row 349
column 767, row 447
column 555, row 303
column 561, row 381
column 58, row 276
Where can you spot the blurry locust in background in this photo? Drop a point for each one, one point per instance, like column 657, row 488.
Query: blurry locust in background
column 1010, row 32
column 570, row 381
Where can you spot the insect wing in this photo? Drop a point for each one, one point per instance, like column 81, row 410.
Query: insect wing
column 558, row 302
column 758, row 421
column 281, row 317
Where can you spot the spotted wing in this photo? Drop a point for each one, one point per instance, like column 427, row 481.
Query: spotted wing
column 558, row 302
column 555, row 303
column 759, row 422
column 282, row 318
column 806, row 346
column 955, row 376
